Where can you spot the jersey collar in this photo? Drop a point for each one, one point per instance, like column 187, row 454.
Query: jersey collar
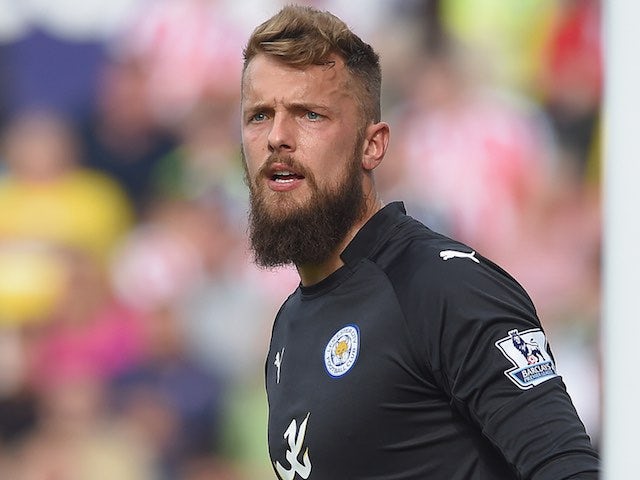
column 374, row 233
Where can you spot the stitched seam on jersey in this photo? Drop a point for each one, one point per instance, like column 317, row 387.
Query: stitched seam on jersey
column 421, row 358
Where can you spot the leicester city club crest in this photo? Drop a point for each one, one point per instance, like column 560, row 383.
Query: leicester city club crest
column 527, row 351
column 342, row 351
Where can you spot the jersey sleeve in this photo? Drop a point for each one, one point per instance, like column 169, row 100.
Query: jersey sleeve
column 487, row 349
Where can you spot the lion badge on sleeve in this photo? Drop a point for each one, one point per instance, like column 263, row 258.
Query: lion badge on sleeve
column 527, row 351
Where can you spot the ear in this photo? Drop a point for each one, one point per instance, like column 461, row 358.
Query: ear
column 375, row 145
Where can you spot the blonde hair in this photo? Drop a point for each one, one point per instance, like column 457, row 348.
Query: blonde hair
column 302, row 36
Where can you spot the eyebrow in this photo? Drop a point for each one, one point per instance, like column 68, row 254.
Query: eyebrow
column 306, row 106
column 261, row 105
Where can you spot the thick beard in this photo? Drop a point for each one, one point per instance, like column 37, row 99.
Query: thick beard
column 306, row 234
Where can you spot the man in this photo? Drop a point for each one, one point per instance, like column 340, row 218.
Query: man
column 395, row 356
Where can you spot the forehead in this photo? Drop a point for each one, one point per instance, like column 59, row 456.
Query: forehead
column 266, row 78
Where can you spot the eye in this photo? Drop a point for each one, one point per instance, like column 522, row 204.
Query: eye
column 258, row 117
column 313, row 116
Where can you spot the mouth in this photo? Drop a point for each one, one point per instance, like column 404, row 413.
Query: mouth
column 283, row 177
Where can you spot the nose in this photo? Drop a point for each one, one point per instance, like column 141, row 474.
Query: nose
column 281, row 136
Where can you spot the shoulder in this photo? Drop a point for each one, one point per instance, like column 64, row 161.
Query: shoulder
column 432, row 273
column 417, row 255
column 86, row 182
column 90, row 178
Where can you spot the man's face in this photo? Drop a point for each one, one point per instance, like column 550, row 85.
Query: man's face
column 302, row 144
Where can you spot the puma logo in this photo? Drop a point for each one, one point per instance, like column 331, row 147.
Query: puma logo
column 449, row 254
column 278, row 363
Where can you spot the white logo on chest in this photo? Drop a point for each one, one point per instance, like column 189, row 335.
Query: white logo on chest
column 449, row 254
column 295, row 440
column 278, row 363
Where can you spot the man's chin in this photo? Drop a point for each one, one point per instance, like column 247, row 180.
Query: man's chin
column 280, row 205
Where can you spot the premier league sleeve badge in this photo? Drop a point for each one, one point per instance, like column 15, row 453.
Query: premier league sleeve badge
column 527, row 351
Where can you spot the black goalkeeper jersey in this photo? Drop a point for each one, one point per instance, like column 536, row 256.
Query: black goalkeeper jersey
column 418, row 359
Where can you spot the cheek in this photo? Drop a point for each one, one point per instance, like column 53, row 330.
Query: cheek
column 338, row 160
column 252, row 154
column 251, row 168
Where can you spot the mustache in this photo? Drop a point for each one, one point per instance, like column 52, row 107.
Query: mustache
column 286, row 160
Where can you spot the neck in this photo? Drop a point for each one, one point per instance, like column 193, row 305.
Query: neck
column 310, row 274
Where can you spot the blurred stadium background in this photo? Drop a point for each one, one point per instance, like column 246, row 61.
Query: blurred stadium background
column 133, row 326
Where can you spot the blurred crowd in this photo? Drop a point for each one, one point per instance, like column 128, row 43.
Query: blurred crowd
column 133, row 324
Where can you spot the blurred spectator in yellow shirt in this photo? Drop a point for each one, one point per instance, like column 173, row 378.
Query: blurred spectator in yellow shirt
column 48, row 201
column 46, row 196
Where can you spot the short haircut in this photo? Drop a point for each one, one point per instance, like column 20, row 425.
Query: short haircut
column 302, row 36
